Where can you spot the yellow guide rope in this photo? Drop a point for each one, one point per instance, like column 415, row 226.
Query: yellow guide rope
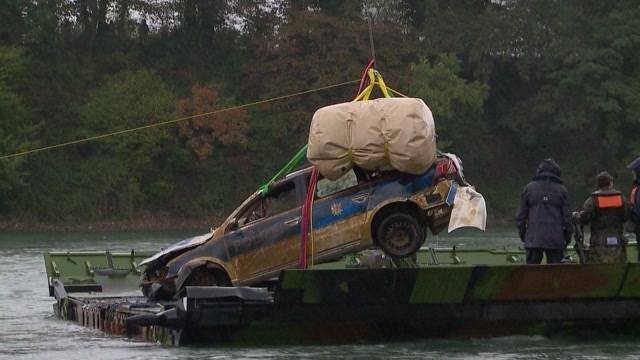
column 168, row 122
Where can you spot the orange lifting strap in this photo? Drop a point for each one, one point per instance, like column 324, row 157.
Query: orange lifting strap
column 609, row 201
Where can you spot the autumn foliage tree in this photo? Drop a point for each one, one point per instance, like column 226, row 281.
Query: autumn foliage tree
column 202, row 132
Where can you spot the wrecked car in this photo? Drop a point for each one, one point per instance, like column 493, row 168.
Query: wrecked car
column 385, row 209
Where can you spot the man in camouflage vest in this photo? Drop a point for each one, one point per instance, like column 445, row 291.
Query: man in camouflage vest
column 607, row 211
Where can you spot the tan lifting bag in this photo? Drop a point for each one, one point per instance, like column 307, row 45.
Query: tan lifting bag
column 370, row 134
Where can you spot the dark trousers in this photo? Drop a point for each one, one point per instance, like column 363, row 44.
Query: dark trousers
column 638, row 241
column 554, row 256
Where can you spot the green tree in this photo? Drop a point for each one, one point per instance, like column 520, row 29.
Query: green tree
column 114, row 175
column 457, row 107
column 579, row 72
column 12, row 24
column 16, row 124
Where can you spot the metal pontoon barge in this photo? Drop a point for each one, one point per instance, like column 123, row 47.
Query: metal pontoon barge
column 447, row 292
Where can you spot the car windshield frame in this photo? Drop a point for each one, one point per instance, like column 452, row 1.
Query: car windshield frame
column 277, row 189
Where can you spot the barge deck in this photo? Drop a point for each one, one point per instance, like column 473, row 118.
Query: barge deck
column 353, row 301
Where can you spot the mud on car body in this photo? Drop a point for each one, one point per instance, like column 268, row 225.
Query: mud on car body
column 388, row 209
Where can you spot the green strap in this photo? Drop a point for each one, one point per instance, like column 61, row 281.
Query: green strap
column 295, row 160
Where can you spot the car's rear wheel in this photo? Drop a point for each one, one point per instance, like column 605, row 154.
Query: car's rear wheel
column 400, row 235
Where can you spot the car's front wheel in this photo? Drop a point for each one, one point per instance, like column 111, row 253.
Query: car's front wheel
column 206, row 275
column 400, row 235
column 202, row 277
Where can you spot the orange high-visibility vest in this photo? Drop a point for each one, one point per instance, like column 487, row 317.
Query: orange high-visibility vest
column 609, row 201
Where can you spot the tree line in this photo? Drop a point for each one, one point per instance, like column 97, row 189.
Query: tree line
column 509, row 82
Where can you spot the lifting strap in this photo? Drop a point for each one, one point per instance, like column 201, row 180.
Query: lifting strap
column 295, row 160
column 375, row 78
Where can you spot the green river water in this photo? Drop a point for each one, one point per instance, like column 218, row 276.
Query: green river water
column 28, row 329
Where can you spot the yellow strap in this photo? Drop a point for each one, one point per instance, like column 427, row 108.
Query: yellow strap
column 375, row 78
column 364, row 95
column 383, row 86
column 372, row 80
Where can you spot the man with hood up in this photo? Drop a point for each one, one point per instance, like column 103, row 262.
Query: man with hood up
column 634, row 199
column 543, row 217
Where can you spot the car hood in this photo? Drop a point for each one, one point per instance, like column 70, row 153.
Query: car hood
column 180, row 245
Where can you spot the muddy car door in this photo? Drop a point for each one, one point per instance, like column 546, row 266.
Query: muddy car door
column 267, row 235
column 339, row 214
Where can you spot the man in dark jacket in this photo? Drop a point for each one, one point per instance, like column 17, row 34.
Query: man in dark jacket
column 606, row 210
column 543, row 218
column 634, row 199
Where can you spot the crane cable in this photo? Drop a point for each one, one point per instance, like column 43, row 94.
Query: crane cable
column 168, row 122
